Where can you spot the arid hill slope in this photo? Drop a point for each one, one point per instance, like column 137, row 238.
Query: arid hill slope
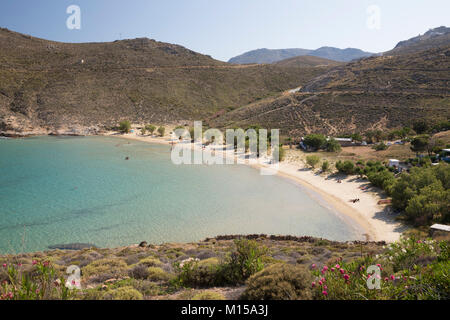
column 51, row 85
column 376, row 92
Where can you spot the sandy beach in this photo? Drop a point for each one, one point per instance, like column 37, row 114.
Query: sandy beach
column 376, row 220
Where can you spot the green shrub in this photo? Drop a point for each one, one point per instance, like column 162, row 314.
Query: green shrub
column 380, row 147
column 208, row 295
column 161, row 131
column 199, row 274
column 150, row 262
column 312, row 161
column 277, row 149
column 279, row 282
column 325, row 166
column 237, row 267
column 281, row 153
column 346, row 167
column 123, row 293
column 114, row 267
column 333, row 146
column 245, row 261
column 157, row 274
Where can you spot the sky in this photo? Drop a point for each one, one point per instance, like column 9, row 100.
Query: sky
column 226, row 28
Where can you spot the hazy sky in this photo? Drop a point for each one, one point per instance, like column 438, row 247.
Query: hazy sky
column 227, row 28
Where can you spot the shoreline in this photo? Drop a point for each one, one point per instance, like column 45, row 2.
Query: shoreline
column 367, row 214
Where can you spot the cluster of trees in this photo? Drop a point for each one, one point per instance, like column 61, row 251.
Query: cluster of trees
column 423, row 126
column 319, row 141
column 424, row 143
column 423, row 195
column 125, row 127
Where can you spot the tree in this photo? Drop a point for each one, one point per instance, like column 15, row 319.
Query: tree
column 315, row 141
column 346, row 167
column 312, row 161
column 161, row 131
column 333, row 146
column 420, row 144
column 420, row 126
column 143, row 131
column 125, row 126
column 150, row 128
column 369, row 136
column 378, row 135
column 359, row 171
column 357, row 137
column 435, row 146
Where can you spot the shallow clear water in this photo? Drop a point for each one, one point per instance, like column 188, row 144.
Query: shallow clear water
column 56, row 190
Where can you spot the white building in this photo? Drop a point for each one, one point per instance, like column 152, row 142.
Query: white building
column 394, row 163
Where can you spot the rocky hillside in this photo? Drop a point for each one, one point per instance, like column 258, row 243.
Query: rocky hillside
column 376, row 92
column 275, row 55
column 433, row 38
column 49, row 86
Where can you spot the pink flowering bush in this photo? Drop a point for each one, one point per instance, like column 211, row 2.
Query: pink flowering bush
column 350, row 282
column 408, row 269
column 40, row 284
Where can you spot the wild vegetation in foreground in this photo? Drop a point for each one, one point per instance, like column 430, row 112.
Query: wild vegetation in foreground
column 231, row 267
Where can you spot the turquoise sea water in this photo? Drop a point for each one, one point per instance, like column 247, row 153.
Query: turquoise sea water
column 59, row 190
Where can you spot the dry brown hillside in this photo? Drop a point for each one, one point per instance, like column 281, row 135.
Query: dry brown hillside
column 376, row 92
column 53, row 85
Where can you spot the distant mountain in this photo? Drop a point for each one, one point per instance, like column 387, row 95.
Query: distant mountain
column 307, row 61
column 433, row 38
column 268, row 55
column 343, row 55
column 275, row 55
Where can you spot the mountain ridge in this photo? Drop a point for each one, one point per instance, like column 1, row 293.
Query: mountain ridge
column 275, row 55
